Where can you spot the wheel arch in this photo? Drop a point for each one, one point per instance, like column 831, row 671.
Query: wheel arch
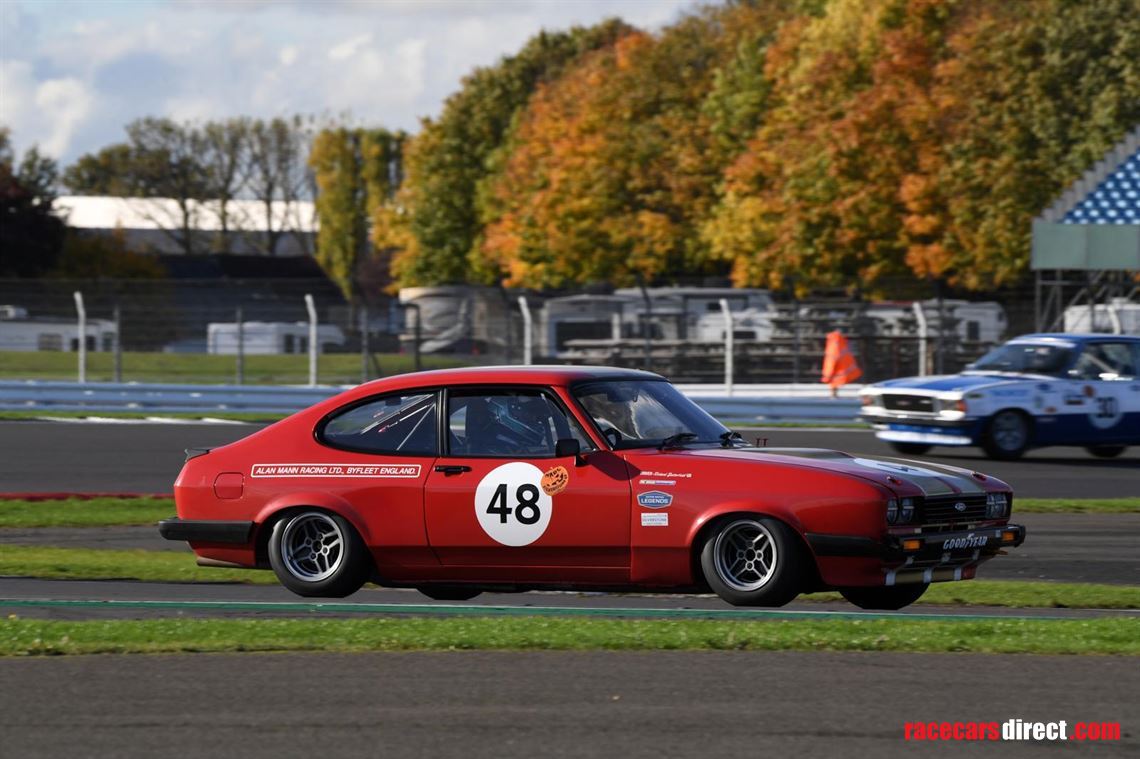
column 1030, row 422
column 279, row 507
column 715, row 517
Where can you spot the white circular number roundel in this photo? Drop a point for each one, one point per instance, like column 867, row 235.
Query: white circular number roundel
column 511, row 506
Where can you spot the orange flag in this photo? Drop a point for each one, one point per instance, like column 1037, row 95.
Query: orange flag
column 839, row 366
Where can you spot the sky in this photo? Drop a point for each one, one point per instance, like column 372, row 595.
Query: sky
column 74, row 72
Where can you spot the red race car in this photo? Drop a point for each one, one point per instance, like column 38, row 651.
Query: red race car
column 459, row 481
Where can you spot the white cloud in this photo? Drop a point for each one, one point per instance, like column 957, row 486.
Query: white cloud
column 349, row 47
column 75, row 73
column 51, row 109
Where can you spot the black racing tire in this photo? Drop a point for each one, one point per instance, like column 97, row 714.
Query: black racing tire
column 1106, row 451
column 750, row 560
column 449, row 592
column 883, row 597
column 317, row 554
column 1007, row 435
column 911, row 449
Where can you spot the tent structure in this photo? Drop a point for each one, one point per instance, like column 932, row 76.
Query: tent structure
column 1086, row 246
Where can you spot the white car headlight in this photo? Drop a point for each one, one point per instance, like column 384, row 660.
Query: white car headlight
column 997, row 505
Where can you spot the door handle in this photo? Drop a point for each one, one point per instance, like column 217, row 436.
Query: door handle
column 452, row 468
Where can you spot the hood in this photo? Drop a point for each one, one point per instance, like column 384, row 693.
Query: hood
column 951, row 382
column 928, row 478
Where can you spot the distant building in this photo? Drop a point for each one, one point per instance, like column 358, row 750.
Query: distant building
column 263, row 338
column 153, row 225
column 20, row 332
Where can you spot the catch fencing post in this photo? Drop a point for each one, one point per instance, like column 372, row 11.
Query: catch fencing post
column 728, row 346
column 365, row 348
column 313, row 345
column 920, row 317
column 81, row 343
column 528, row 345
column 239, row 323
column 118, row 358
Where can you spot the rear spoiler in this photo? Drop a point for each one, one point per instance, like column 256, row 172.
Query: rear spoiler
column 193, row 453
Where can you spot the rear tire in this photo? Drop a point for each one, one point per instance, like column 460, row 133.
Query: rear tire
column 884, row 597
column 754, row 561
column 1106, row 451
column 449, row 592
column 911, row 449
column 319, row 555
column 1007, row 435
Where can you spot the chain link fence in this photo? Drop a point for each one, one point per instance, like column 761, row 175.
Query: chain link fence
column 261, row 331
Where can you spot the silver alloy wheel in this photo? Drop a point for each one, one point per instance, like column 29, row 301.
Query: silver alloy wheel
column 1009, row 431
column 312, row 546
column 745, row 555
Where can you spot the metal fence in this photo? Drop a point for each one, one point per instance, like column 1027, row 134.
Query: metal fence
column 301, row 331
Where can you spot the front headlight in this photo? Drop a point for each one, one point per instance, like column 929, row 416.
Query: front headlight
column 892, row 511
column 906, row 510
column 997, row 505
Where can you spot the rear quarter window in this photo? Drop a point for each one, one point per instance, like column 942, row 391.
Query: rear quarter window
column 400, row 425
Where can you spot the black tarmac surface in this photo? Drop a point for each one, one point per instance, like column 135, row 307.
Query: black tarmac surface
column 58, row 456
column 545, row 704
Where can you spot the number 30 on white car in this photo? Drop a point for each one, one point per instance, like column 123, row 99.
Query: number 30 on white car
column 1033, row 391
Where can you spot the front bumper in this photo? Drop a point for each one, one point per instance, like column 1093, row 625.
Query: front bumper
column 923, row 557
column 929, row 431
column 206, row 530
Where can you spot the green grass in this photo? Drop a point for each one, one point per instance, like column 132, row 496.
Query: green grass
column 87, row 564
column 166, row 566
column 334, row 368
column 26, row 637
column 94, row 512
column 1022, row 594
column 1076, row 505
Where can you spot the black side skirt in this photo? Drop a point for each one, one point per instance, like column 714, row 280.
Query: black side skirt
column 205, row 531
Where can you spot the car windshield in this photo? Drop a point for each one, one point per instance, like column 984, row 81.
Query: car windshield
column 639, row 413
column 1027, row 358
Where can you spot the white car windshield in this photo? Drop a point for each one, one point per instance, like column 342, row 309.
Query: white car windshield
column 1027, row 358
column 639, row 413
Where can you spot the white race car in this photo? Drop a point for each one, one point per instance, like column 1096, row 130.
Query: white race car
column 1035, row 390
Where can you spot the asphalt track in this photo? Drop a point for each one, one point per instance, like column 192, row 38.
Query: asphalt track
column 59, row 456
column 550, row 704
column 1098, row 548
column 120, row 599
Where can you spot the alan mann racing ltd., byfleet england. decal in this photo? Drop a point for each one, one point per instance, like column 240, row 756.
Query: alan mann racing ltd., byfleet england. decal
column 511, row 506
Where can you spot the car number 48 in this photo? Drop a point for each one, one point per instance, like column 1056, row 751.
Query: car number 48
column 511, row 506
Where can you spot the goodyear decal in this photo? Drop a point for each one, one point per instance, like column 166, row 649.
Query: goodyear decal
column 654, row 499
column 374, row 471
column 654, row 520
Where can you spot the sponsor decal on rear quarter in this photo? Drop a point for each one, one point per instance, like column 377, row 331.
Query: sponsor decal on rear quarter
column 654, row 520
column 377, row 471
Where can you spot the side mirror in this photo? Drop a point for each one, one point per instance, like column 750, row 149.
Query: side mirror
column 568, row 446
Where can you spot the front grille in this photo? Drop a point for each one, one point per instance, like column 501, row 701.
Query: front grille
column 908, row 403
column 944, row 508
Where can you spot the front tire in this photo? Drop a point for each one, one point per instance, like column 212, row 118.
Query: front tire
column 883, row 597
column 754, row 561
column 1007, row 435
column 449, row 592
column 911, row 449
column 1106, row 451
column 318, row 555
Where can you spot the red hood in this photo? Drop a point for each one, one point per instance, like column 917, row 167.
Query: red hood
column 894, row 474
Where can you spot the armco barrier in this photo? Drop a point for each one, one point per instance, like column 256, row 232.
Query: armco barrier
column 747, row 403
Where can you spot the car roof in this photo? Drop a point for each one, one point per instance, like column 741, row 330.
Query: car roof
column 506, row 375
column 1071, row 337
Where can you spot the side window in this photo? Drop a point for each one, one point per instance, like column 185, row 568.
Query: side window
column 509, row 423
column 393, row 424
column 1106, row 361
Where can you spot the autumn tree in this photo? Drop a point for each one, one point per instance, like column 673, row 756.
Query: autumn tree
column 446, row 161
column 30, row 232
